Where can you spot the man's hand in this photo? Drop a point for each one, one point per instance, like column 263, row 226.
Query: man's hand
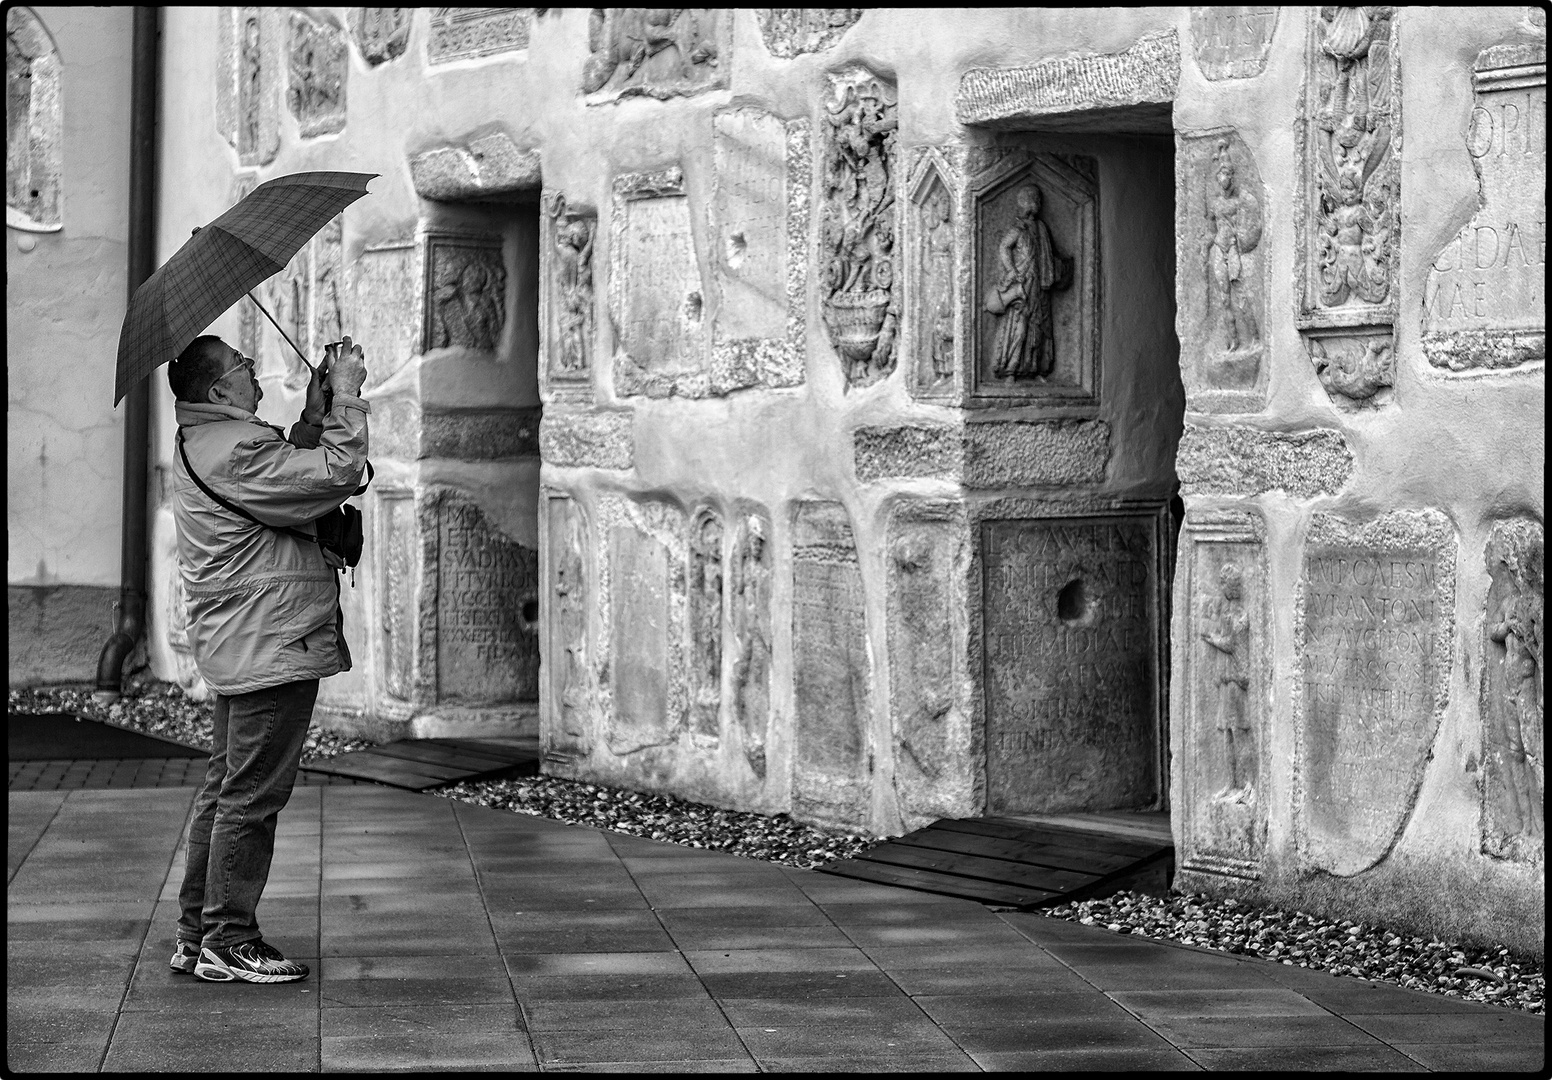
column 316, row 409
column 347, row 372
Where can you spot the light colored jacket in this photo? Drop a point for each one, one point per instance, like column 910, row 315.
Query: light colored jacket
column 263, row 607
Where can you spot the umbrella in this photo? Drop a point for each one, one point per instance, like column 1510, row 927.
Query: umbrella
column 221, row 262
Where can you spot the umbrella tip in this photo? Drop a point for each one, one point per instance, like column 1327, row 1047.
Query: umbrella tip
column 196, row 230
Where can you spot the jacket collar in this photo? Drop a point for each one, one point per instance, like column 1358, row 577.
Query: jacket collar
column 192, row 414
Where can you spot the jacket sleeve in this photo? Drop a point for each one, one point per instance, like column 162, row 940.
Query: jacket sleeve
column 285, row 484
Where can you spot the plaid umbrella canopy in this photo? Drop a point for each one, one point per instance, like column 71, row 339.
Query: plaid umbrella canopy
column 252, row 241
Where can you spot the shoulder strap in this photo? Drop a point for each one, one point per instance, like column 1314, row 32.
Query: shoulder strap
column 239, row 511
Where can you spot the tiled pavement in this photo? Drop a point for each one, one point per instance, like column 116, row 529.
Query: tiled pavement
column 444, row 935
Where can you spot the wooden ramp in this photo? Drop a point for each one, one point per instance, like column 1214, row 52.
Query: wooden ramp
column 418, row 764
column 1025, row 861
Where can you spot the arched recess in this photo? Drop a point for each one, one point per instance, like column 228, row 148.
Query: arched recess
column 33, row 124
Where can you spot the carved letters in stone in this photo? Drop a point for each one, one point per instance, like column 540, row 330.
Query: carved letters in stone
column 1232, row 42
column 398, row 554
column 646, row 605
column 1223, row 288
column 1372, row 631
column 831, row 668
column 1486, row 293
column 931, row 296
column 706, row 625
column 487, row 608
column 385, row 307
column 316, row 90
column 659, row 52
column 790, row 32
column 460, row 33
column 1513, row 702
column 1035, row 284
column 750, row 634
column 858, row 229
column 1071, row 631
column 750, row 208
column 1224, row 670
column 1351, row 135
column 571, row 299
column 568, row 660
column 466, row 284
column 33, row 124
column 382, row 34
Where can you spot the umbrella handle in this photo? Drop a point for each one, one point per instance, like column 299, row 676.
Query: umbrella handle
column 283, row 334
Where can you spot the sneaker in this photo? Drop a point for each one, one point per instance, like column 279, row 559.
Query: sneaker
column 251, row 961
column 184, row 957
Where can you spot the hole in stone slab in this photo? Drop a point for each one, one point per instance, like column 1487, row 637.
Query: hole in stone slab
column 530, row 611
column 737, row 247
column 692, row 307
column 1072, row 603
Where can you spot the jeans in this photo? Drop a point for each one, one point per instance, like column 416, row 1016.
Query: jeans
column 253, row 761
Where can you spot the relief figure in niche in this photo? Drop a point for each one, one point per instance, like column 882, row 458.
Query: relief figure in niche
column 1514, row 714
column 574, row 265
column 1228, row 633
column 706, row 587
column 751, row 639
column 250, row 88
column 1024, row 344
column 466, row 301
column 1234, row 219
column 33, row 124
column 1355, row 210
column 621, row 40
column 940, row 260
column 571, row 599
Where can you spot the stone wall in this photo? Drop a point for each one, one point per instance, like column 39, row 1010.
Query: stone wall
column 870, row 348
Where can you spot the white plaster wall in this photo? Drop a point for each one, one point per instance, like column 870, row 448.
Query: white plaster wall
column 65, row 300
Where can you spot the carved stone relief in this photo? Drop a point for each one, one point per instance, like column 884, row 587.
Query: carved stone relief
column 790, row 32
column 1145, row 73
column 33, row 124
column 656, row 290
column 316, row 80
column 461, row 33
column 398, row 555
column 1232, row 42
column 328, row 257
column 1225, row 671
column 1350, row 138
column 483, row 613
column 382, row 34
column 832, row 671
column 1356, row 371
column 466, row 284
column 1486, row 293
column 1223, row 275
column 759, row 222
column 861, row 306
column 1372, row 632
column 705, row 602
column 1513, row 702
column 248, row 317
column 386, row 307
column 1034, row 295
column 569, row 657
column 929, row 714
column 1070, row 633
column 289, row 298
column 931, row 298
column 749, row 639
column 248, row 82
column 657, row 52
column 571, row 236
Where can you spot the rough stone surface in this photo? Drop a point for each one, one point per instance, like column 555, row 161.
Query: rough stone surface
column 1373, row 618
column 790, row 32
column 34, row 137
column 1232, row 42
column 397, row 548
column 465, row 33
column 1036, row 453
column 480, row 434
column 1146, row 72
column 386, row 306
column 1247, row 461
column 490, row 165
column 381, row 34
column 56, row 633
column 883, row 452
column 601, row 440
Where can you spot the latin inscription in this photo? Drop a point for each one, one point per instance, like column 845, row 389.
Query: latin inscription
column 751, row 212
column 487, row 650
column 1069, row 639
column 400, row 543
column 662, row 286
column 1232, row 42
column 830, row 642
column 640, row 638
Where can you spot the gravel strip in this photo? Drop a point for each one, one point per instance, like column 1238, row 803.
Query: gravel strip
column 1490, row 975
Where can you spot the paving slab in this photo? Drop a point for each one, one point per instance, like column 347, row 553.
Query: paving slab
column 455, row 937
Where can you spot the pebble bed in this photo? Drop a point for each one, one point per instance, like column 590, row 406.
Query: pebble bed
column 1491, row 975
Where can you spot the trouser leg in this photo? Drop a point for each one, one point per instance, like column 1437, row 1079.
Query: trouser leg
column 191, row 896
column 266, row 730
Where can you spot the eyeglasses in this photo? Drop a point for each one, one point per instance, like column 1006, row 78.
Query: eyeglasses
column 245, row 363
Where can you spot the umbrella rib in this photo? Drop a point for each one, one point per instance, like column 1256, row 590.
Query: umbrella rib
column 283, row 334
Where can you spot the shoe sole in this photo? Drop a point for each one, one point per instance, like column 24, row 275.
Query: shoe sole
column 221, row 973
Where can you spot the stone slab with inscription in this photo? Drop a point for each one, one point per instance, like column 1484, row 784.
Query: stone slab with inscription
column 1070, row 616
column 397, row 552
column 565, row 735
column 464, row 33
column 486, row 600
column 1486, row 293
column 1372, row 629
column 1232, row 42
column 385, row 306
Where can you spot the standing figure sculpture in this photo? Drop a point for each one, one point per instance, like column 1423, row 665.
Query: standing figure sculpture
column 1024, row 344
column 1228, row 632
column 940, row 276
column 574, row 248
column 1516, row 621
column 251, row 86
column 1234, row 217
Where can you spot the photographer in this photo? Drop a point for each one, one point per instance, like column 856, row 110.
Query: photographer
column 264, row 623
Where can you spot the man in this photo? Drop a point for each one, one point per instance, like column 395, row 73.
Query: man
column 264, row 622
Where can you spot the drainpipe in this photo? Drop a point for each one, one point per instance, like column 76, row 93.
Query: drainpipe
column 134, row 541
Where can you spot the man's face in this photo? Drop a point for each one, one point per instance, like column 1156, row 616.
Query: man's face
column 239, row 387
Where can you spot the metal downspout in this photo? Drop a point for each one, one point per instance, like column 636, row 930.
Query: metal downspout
column 134, row 542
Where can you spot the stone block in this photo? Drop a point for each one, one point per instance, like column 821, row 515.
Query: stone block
column 1071, row 625
column 1485, row 298
column 490, row 165
column 1373, row 630
column 1225, row 673
column 317, row 72
column 465, row 33
column 35, row 147
column 908, row 451
column 480, row 434
column 1232, row 42
column 386, row 307
column 1246, row 461
column 706, row 626
column 381, row 34
column 396, row 552
column 1147, row 72
column 749, row 634
column 395, row 428
column 465, row 292
column 1047, row 453
column 790, row 32
column 656, row 52
column 569, row 663
column 603, row 440
column 248, row 78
